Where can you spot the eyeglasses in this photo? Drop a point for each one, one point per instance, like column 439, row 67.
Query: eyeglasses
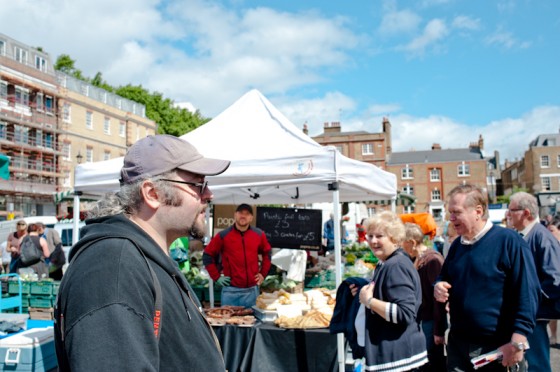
column 21, row 224
column 516, row 209
column 202, row 186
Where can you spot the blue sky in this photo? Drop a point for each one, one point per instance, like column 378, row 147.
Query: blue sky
column 443, row 71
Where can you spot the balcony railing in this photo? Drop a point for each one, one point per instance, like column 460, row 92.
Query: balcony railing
column 25, row 187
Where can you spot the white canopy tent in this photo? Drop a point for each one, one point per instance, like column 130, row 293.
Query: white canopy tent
column 272, row 162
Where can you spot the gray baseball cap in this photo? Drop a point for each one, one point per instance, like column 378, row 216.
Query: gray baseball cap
column 155, row 155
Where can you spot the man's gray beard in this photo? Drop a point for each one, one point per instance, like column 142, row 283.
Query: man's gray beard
column 197, row 231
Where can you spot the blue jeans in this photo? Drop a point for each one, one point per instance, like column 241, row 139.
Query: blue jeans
column 538, row 355
column 234, row 296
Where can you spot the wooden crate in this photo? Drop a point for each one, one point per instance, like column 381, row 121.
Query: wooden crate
column 36, row 313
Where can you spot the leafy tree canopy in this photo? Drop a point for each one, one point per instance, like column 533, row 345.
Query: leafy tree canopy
column 169, row 118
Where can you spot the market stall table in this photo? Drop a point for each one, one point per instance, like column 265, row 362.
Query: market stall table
column 266, row 347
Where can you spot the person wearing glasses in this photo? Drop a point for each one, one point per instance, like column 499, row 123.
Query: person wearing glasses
column 490, row 281
column 238, row 247
column 123, row 304
column 13, row 243
column 523, row 216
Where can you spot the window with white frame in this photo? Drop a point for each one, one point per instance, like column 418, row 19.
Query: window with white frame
column 435, row 174
column 49, row 104
column 2, row 48
column 558, row 160
column 89, row 155
column 545, row 161
column 66, row 150
column 367, row 148
column 407, row 172
column 463, row 170
column 67, row 182
column 107, row 126
column 22, row 96
column 545, row 182
column 39, row 103
column 106, row 155
column 436, row 195
column 40, row 63
column 66, row 113
column 122, row 129
column 89, row 120
column 20, row 54
column 3, row 90
column 407, row 189
column 408, row 209
column 370, row 211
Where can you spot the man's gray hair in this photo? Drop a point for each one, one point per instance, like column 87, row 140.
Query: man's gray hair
column 525, row 200
column 128, row 199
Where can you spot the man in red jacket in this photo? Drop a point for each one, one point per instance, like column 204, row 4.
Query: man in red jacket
column 239, row 247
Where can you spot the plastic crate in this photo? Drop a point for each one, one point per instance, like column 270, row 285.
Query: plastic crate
column 13, row 288
column 41, row 288
column 41, row 302
column 55, row 287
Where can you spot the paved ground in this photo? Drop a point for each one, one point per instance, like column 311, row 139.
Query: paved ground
column 555, row 354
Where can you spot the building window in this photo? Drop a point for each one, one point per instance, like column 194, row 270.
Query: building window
column 545, row 161
column 107, row 126
column 67, row 179
column 435, row 175
column 66, row 111
column 85, row 89
column 66, row 151
column 409, row 209
column 49, row 104
column 545, row 181
column 89, row 155
column 371, row 211
column 119, row 103
column 22, row 96
column 89, row 120
column 408, row 189
column 463, row 170
column 41, row 63
column 20, row 55
column 558, row 160
column 407, row 173
column 436, row 195
column 39, row 102
column 2, row 48
column 107, row 155
column 122, row 128
column 3, row 90
column 367, row 149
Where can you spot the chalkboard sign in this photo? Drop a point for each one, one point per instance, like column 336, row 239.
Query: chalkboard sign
column 291, row 227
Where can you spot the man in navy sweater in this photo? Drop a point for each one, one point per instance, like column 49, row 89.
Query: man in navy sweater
column 490, row 281
column 523, row 215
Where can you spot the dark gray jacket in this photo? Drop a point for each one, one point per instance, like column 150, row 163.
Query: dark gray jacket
column 106, row 303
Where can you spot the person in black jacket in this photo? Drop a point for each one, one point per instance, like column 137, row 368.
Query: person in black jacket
column 123, row 304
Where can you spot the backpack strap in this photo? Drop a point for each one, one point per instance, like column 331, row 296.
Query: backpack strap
column 158, row 303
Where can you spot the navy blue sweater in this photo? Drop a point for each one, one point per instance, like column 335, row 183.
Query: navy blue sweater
column 495, row 289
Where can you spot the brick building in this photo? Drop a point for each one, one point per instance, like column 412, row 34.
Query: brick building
column 49, row 122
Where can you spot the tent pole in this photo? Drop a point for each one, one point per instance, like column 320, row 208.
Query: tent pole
column 209, row 234
column 338, row 264
column 76, row 218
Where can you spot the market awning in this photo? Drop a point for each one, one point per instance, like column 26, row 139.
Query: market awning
column 59, row 197
column 402, row 199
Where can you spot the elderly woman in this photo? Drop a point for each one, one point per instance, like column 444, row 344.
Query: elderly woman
column 393, row 338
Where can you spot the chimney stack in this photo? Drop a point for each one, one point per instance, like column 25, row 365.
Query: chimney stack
column 436, row 146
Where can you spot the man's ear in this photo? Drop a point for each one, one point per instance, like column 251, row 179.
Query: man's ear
column 150, row 194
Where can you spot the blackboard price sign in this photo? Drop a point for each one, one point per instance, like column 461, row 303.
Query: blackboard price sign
column 291, row 227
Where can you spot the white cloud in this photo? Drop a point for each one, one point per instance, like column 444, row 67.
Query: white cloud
column 434, row 31
column 466, row 23
column 399, row 22
column 506, row 40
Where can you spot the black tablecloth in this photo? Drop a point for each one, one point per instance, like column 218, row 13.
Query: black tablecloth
column 266, row 347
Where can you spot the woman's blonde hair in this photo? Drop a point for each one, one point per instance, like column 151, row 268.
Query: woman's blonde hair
column 389, row 223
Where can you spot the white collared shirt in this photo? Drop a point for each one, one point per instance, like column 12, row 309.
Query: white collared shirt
column 478, row 236
column 528, row 228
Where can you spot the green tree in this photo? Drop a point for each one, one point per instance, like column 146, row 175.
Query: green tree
column 504, row 199
column 66, row 64
column 100, row 83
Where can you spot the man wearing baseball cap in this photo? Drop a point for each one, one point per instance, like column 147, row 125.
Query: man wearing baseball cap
column 239, row 247
column 123, row 304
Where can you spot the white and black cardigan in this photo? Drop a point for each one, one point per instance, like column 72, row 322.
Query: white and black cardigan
column 395, row 342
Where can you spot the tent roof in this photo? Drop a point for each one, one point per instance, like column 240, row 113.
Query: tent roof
column 273, row 162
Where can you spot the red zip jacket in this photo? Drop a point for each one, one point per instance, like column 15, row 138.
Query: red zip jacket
column 239, row 255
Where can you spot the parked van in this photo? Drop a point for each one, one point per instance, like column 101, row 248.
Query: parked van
column 66, row 231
